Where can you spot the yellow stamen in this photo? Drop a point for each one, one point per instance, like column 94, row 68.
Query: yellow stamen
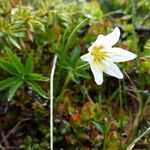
column 98, row 54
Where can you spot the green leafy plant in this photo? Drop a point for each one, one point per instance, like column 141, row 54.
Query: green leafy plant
column 21, row 74
column 114, row 115
column 35, row 144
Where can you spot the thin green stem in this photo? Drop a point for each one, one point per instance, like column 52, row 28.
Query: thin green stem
column 120, row 113
column 73, row 33
column 69, row 75
column 64, row 37
column 133, row 13
column 137, row 93
column 105, row 136
column 135, row 39
column 104, row 144
column 82, row 66
column 139, row 114
column 67, row 80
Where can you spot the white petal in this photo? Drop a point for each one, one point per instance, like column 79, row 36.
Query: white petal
column 97, row 72
column 113, row 37
column 108, row 40
column 121, row 55
column 101, row 40
column 86, row 57
column 111, row 69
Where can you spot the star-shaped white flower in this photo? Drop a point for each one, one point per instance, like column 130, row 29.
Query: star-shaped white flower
column 102, row 55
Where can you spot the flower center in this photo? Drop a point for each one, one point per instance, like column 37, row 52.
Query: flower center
column 98, row 53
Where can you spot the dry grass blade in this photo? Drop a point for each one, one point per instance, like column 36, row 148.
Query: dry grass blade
column 130, row 147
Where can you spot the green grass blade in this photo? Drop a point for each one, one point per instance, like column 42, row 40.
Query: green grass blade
column 9, row 67
column 99, row 127
column 29, row 64
column 36, row 76
column 73, row 33
column 37, row 89
column 14, row 42
column 7, row 83
column 114, row 94
column 14, row 88
column 15, row 60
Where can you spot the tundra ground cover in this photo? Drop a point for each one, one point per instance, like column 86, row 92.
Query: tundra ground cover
column 110, row 116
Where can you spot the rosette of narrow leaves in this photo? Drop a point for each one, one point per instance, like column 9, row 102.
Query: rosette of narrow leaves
column 21, row 74
column 10, row 32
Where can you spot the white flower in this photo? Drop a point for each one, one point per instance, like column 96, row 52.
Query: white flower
column 102, row 55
